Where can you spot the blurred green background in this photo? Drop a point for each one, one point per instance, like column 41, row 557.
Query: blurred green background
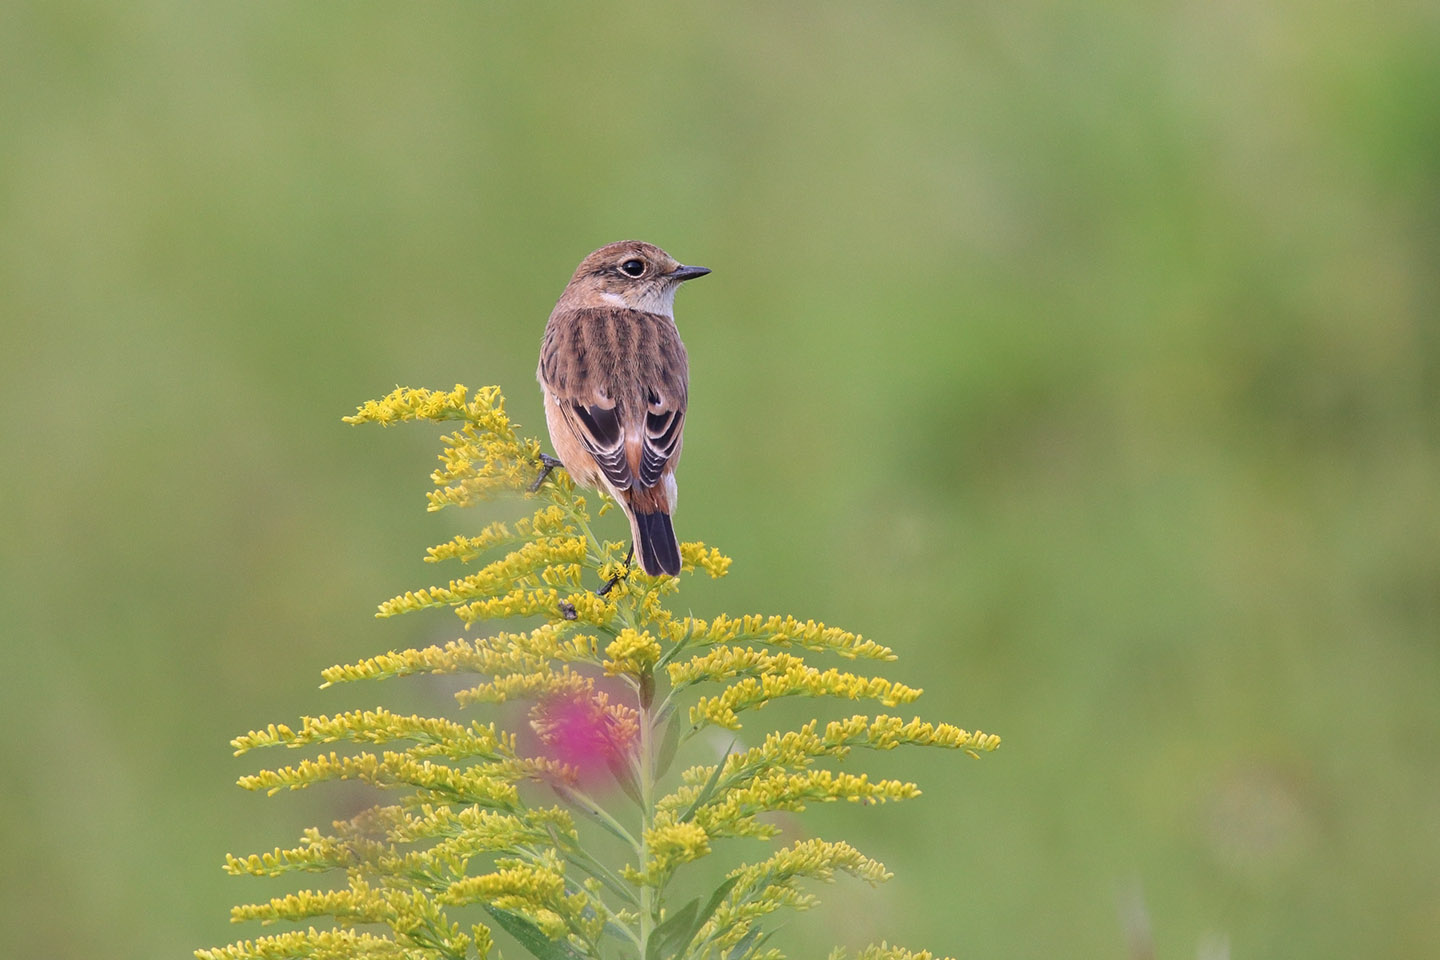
column 1086, row 354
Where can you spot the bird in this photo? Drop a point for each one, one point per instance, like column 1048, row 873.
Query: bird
column 615, row 378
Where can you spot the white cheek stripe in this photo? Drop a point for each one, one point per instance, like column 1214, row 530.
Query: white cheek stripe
column 661, row 301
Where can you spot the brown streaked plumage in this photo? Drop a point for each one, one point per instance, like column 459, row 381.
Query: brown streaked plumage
column 616, row 379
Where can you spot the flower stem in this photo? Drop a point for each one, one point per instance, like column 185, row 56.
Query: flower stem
column 649, row 905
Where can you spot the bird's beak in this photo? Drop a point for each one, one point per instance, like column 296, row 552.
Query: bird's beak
column 687, row 273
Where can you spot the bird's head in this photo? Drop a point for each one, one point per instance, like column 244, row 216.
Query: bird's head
column 629, row 274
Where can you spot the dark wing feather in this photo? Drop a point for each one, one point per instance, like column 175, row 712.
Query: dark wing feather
column 664, row 391
column 599, row 430
column 663, row 429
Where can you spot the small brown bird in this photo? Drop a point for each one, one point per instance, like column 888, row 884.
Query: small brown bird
column 615, row 378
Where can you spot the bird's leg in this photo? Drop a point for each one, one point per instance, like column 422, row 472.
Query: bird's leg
column 548, row 463
column 610, row 584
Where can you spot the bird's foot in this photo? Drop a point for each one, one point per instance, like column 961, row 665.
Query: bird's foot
column 547, row 464
column 610, row 584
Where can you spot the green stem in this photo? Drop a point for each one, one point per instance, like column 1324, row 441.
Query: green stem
column 649, row 900
column 649, row 906
column 592, row 807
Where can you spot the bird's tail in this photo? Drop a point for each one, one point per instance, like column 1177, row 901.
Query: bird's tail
column 655, row 543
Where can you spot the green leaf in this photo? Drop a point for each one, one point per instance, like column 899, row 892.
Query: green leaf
column 663, row 938
column 532, row 938
column 703, row 915
column 624, row 772
column 574, row 799
column 746, row 945
column 666, row 756
column 708, row 790
column 712, row 905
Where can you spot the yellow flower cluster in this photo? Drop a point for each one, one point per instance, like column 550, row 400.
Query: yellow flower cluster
column 564, row 682
column 489, row 786
column 782, row 677
column 783, row 632
column 497, row 655
column 417, row 919
column 444, row 737
column 484, row 457
column 383, row 840
column 359, row 904
column 887, row 733
column 547, row 522
column 734, row 811
column 316, row 852
column 504, row 829
column 313, row 943
column 532, row 888
column 521, row 602
column 671, row 843
column 525, row 566
column 632, row 652
column 724, row 663
column 405, row 403
column 794, row 749
column 762, row 888
column 697, row 556
column 885, row 952
column 611, row 680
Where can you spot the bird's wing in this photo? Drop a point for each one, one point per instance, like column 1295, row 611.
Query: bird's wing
column 598, row 427
column 662, row 393
column 664, row 428
column 630, row 450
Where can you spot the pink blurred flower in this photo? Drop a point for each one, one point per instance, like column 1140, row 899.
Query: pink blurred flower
column 584, row 731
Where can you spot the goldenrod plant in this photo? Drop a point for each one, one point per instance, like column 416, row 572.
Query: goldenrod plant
column 570, row 836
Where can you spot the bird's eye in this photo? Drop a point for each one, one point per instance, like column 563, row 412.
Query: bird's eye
column 633, row 268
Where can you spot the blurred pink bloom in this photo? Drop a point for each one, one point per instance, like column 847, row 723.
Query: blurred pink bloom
column 583, row 732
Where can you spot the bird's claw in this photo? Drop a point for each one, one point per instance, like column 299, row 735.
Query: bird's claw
column 547, row 464
column 610, row 584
